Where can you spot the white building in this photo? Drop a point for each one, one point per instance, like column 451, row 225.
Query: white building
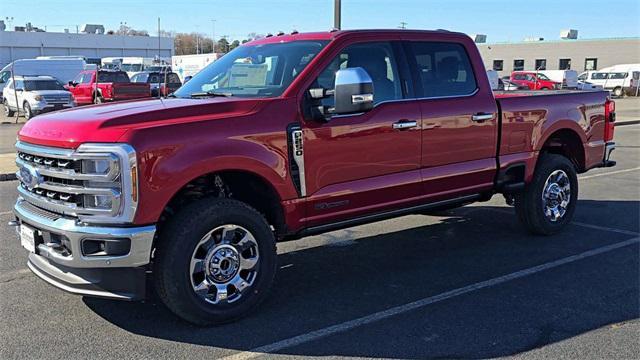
column 27, row 45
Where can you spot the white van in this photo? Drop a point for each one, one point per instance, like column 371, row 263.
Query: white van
column 64, row 70
column 568, row 78
column 616, row 78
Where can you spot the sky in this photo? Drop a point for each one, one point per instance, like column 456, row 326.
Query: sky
column 501, row 20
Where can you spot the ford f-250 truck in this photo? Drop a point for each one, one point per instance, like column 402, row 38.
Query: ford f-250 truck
column 111, row 86
column 284, row 137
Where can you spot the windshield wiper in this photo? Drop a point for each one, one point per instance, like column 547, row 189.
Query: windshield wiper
column 210, row 94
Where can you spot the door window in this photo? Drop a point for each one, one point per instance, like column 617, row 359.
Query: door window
column 86, row 78
column 379, row 62
column 4, row 76
column 444, row 69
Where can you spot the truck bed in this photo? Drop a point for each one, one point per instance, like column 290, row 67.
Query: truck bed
column 529, row 117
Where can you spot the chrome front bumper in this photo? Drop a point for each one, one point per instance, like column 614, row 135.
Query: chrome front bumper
column 98, row 275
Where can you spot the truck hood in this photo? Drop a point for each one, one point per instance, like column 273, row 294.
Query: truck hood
column 109, row 122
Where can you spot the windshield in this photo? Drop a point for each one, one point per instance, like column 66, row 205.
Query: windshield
column 31, row 85
column 543, row 77
column 254, row 71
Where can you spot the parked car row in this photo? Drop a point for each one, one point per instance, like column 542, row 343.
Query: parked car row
column 84, row 83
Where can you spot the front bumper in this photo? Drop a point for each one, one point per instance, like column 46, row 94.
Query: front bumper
column 118, row 277
column 44, row 107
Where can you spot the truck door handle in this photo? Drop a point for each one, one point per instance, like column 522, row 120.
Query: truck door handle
column 480, row 117
column 405, row 124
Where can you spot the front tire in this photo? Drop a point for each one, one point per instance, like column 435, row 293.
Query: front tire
column 28, row 113
column 215, row 261
column 548, row 203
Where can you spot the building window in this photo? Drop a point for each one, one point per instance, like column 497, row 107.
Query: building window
column 518, row 65
column 565, row 64
column 590, row 64
column 498, row 65
column 541, row 64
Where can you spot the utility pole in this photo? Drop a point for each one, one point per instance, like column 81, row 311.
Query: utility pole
column 403, row 25
column 337, row 14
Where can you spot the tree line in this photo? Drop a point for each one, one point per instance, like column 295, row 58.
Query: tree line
column 190, row 43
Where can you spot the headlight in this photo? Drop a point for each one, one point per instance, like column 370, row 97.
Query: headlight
column 110, row 172
column 37, row 97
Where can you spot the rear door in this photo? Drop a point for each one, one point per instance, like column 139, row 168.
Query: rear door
column 359, row 164
column 459, row 119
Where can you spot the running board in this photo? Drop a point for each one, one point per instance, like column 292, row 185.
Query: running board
column 315, row 230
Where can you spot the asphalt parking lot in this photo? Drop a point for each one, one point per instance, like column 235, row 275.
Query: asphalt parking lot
column 467, row 283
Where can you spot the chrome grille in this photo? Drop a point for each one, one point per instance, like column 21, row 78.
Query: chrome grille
column 68, row 182
column 57, row 99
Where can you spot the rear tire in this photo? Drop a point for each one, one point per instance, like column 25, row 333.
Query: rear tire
column 7, row 111
column 189, row 271
column 549, row 201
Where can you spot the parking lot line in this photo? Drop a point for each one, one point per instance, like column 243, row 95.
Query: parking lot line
column 608, row 173
column 381, row 315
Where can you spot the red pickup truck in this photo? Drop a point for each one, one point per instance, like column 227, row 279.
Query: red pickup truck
column 534, row 80
column 285, row 137
column 111, row 86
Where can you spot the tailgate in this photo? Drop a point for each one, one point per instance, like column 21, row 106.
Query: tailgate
column 131, row 90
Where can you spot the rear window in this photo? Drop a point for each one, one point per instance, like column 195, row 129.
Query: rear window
column 444, row 68
column 113, row 77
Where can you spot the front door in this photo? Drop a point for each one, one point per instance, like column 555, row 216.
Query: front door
column 459, row 120
column 361, row 163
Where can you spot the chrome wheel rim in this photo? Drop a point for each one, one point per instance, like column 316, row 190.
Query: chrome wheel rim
column 556, row 195
column 224, row 264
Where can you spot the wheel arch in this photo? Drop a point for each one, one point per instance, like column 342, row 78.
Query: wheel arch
column 249, row 187
column 567, row 142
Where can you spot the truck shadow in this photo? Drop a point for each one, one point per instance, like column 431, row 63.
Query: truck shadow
column 324, row 286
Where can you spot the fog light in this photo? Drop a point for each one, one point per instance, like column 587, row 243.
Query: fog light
column 111, row 247
column 98, row 201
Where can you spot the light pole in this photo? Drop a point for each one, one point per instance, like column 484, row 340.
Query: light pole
column 337, row 14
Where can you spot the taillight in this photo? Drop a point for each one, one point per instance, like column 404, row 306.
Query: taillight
column 610, row 118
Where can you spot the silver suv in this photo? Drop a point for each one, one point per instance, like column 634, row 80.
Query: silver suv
column 32, row 95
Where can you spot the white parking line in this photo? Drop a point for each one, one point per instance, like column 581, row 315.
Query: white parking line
column 608, row 173
column 5, row 213
column 375, row 317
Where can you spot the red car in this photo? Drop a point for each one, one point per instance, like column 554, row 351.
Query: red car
column 534, row 80
column 284, row 137
column 111, row 86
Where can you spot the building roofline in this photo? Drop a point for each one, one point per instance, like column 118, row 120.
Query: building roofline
column 562, row 41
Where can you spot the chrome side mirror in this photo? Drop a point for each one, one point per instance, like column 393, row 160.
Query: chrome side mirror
column 353, row 91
